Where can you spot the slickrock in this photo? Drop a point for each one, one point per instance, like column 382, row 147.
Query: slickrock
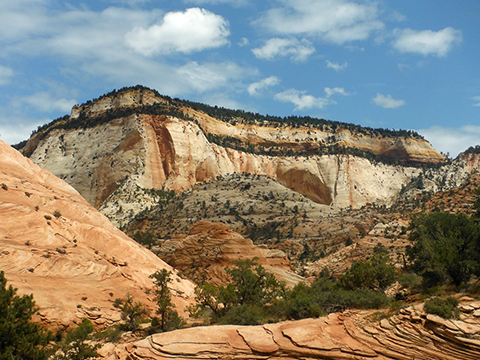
column 57, row 246
column 349, row 335
column 211, row 247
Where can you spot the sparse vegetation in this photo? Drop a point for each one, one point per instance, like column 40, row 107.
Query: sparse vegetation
column 446, row 308
column 76, row 345
column 132, row 312
column 169, row 318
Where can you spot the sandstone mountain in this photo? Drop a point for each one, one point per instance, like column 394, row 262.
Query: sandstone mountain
column 210, row 248
column 137, row 138
column 57, row 246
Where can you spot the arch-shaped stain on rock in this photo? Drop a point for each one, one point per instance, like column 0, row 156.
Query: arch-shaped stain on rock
column 306, row 183
column 207, row 170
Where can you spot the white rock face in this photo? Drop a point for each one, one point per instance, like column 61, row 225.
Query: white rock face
column 158, row 151
column 166, row 152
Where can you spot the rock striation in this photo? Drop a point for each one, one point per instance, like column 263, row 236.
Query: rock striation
column 411, row 334
column 57, row 246
column 185, row 146
column 210, row 248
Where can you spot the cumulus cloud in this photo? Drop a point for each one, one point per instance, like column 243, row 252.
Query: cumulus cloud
column 262, row 84
column 298, row 50
column 6, row 75
column 45, row 102
column 452, row 140
column 336, row 66
column 477, row 100
column 387, row 101
column 302, row 100
column 193, row 30
column 426, row 42
column 338, row 21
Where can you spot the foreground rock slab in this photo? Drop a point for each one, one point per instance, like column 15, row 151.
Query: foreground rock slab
column 411, row 334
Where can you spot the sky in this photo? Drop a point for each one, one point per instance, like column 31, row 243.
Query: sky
column 410, row 64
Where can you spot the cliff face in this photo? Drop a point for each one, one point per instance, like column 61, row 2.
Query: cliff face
column 165, row 151
column 60, row 248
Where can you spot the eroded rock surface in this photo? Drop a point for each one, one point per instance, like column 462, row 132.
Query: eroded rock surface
column 60, row 248
column 411, row 334
column 212, row 247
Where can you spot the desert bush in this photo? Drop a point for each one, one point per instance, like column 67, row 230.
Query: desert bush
column 446, row 308
column 132, row 312
column 374, row 274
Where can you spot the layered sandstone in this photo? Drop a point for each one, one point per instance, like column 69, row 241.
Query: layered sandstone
column 411, row 334
column 58, row 247
column 210, row 248
column 165, row 151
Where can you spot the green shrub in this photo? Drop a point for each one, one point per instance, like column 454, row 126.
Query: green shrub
column 446, row 308
column 76, row 345
column 19, row 337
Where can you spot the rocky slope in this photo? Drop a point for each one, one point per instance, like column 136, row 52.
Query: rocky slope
column 57, row 246
column 210, row 248
column 411, row 334
column 136, row 137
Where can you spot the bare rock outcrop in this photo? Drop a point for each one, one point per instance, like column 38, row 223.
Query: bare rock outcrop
column 411, row 334
column 209, row 248
column 57, row 246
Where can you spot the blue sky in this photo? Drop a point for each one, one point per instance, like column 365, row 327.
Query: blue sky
column 392, row 64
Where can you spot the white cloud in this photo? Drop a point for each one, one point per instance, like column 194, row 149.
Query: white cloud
column 243, row 42
column 426, row 42
column 298, row 50
column 6, row 75
column 209, row 76
column 336, row 90
column 338, row 21
column 45, row 102
column 193, row 30
column 336, row 66
column 91, row 43
column 235, row 3
column 477, row 100
column 387, row 101
column 265, row 83
column 452, row 140
column 304, row 101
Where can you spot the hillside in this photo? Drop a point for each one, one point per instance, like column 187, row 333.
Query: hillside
column 60, row 248
column 136, row 137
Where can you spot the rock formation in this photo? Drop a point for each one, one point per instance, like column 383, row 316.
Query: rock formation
column 411, row 334
column 122, row 139
column 209, row 248
column 57, row 246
